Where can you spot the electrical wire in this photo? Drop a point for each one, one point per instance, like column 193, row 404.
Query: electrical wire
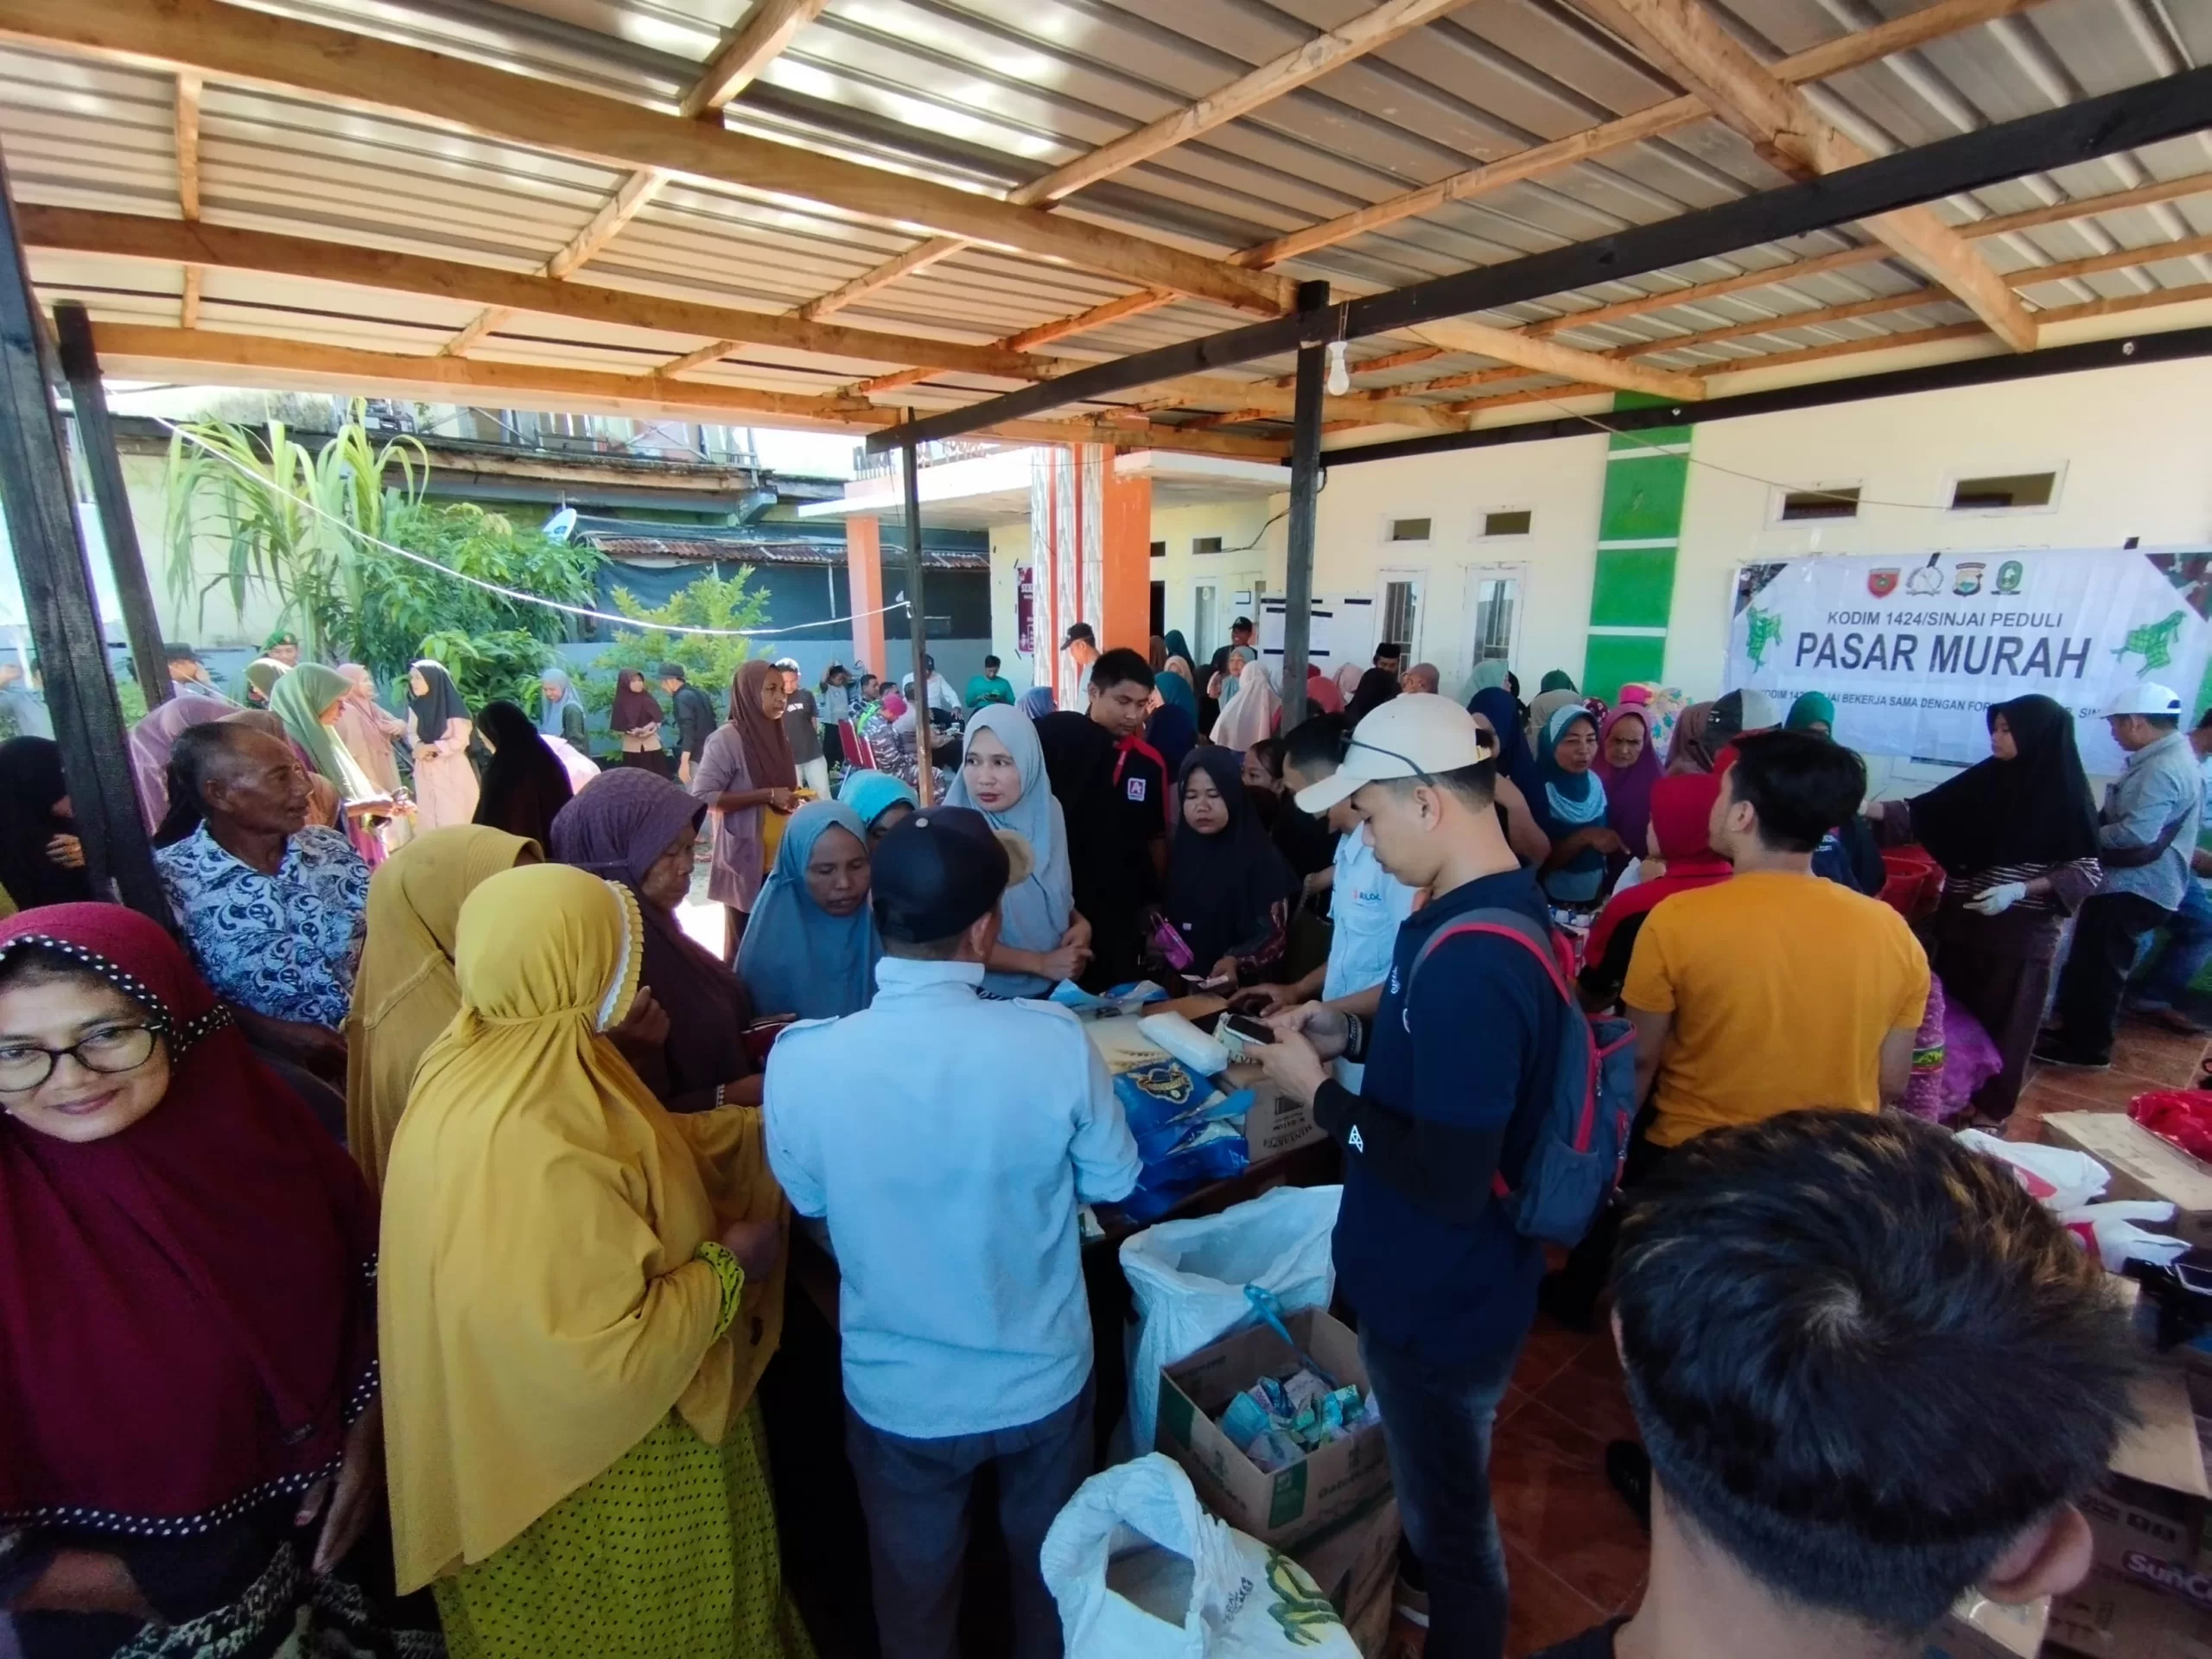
column 517, row 594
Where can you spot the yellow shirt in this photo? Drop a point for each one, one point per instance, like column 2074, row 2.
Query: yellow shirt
column 1783, row 987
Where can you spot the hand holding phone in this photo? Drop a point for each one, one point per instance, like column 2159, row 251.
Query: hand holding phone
column 1247, row 1030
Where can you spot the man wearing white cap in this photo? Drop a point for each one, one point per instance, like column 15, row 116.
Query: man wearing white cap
column 2145, row 832
column 1459, row 1061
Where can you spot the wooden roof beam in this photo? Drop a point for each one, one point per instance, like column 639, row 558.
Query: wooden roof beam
column 188, row 89
column 1688, row 41
column 229, row 42
column 1197, row 390
column 1285, row 73
column 133, row 236
column 1546, row 356
column 767, row 28
column 1868, row 45
column 139, row 352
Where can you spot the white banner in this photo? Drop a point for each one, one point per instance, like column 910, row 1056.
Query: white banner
column 1913, row 649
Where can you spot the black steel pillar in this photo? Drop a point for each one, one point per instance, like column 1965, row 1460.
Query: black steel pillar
column 142, row 624
column 1305, row 486
column 57, row 581
column 918, row 624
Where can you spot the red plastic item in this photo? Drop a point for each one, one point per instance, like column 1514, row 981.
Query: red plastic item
column 2181, row 1117
column 1915, row 883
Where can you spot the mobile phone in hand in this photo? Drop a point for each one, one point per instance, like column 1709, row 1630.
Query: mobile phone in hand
column 1248, row 1030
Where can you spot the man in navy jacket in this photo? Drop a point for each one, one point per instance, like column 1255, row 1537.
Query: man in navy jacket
column 1458, row 1064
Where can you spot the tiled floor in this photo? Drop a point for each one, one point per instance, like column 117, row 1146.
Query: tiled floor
column 1575, row 1555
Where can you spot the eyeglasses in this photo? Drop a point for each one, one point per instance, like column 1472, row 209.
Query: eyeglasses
column 110, row 1050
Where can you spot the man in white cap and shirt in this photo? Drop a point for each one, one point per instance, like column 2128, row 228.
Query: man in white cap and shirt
column 2145, row 832
column 1459, row 1058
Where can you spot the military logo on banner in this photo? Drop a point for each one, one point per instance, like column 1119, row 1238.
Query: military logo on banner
column 1913, row 652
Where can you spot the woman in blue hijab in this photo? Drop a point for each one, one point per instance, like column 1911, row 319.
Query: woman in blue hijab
column 1037, row 703
column 1569, row 804
column 810, row 947
column 1515, row 758
column 1042, row 940
column 882, row 799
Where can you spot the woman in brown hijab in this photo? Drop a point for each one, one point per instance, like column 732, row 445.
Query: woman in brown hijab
column 750, row 783
column 635, row 720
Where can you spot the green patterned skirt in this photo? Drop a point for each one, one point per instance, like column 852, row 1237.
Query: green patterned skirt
column 670, row 1554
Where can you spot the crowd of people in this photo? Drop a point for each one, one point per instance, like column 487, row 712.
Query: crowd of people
column 492, row 1383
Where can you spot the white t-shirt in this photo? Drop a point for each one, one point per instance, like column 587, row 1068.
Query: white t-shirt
column 1367, row 905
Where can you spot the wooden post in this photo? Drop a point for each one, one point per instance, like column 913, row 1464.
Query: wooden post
column 142, row 624
column 57, row 581
column 918, row 624
column 1304, row 487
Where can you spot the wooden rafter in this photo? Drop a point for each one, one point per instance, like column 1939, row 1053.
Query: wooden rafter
column 1199, row 390
column 766, row 30
column 134, row 236
column 1303, row 63
column 1916, row 28
column 188, row 90
column 138, row 352
column 758, row 40
column 1816, row 63
column 1543, row 357
column 263, row 48
column 1043, row 335
column 1687, row 40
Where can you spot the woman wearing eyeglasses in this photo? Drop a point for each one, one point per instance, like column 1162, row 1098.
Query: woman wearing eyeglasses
column 189, row 1446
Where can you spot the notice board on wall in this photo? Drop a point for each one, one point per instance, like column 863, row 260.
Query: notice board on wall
column 1913, row 649
column 1341, row 630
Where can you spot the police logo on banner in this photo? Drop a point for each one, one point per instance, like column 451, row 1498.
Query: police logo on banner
column 1912, row 674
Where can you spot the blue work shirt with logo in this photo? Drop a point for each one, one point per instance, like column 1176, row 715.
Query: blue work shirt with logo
column 1423, row 1252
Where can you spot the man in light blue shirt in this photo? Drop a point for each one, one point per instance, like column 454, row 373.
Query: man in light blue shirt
column 2159, row 993
column 2145, row 835
column 948, row 1140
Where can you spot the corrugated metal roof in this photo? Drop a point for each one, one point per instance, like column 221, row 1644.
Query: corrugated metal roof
column 989, row 93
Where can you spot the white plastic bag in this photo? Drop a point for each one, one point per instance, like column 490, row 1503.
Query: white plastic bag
column 2056, row 1177
column 1139, row 1571
column 1188, row 1278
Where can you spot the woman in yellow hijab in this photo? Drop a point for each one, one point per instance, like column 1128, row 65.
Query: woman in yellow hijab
column 577, row 1294
column 404, row 994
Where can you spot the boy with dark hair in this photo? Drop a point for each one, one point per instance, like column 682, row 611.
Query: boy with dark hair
column 2159, row 994
column 966, row 1338
column 1859, row 1405
column 1117, row 819
column 2146, row 832
column 1390, row 654
column 987, row 687
column 1445, row 1285
column 694, row 714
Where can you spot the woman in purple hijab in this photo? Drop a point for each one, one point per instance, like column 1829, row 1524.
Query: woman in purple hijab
column 641, row 828
column 152, row 738
column 1627, row 767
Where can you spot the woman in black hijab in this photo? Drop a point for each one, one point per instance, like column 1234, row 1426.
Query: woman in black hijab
column 42, row 861
column 2016, row 838
column 526, row 783
column 1376, row 687
column 1229, row 892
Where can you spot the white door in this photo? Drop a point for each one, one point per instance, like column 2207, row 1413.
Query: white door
column 1491, row 625
column 1399, row 612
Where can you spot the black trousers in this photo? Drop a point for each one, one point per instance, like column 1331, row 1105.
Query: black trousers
column 2107, row 934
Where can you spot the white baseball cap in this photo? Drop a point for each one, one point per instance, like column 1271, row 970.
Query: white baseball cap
column 2148, row 698
column 1418, row 734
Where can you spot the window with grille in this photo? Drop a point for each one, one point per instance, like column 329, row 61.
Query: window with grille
column 1401, row 613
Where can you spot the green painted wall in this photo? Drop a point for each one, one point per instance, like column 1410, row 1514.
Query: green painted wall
column 1639, row 530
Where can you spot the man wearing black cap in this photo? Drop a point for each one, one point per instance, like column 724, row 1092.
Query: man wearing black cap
column 189, row 675
column 948, row 1140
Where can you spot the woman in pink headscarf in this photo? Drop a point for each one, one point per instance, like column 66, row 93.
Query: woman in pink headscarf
column 366, row 729
column 152, row 738
column 1322, row 696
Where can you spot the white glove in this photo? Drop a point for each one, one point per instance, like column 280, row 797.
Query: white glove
column 2000, row 899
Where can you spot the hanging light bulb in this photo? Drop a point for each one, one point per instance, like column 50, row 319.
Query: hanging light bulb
column 1339, row 379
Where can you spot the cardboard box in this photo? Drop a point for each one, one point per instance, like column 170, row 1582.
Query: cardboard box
column 2142, row 1166
column 2148, row 1518
column 1336, row 1482
column 1978, row 1628
column 1275, row 1124
column 1355, row 1561
column 2107, row 1617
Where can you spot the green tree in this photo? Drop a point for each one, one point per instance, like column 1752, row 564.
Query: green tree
column 709, row 661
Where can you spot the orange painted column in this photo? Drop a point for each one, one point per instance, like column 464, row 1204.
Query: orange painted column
column 1125, row 558
column 864, row 580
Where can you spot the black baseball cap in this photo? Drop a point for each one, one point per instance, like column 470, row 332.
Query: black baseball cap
column 941, row 869
column 173, row 653
column 671, row 670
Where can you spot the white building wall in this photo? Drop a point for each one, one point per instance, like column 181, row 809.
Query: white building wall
column 2133, row 446
column 1250, row 562
column 1009, row 551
